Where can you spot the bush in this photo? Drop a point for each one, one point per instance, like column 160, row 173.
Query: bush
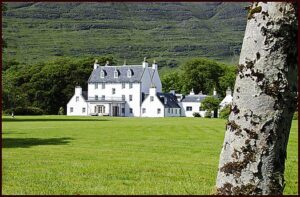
column 196, row 114
column 208, row 114
column 61, row 111
column 25, row 111
column 295, row 117
column 224, row 113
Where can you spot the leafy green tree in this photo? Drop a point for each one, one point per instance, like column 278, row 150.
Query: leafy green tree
column 224, row 113
column 172, row 81
column 203, row 75
column 210, row 103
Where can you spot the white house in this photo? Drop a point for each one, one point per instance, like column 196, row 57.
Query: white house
column 191, row 104
column 227, row 100
column 159, row 104
column 115, row 90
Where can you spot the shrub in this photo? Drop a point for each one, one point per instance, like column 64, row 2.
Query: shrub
column 25, row 111
column 295, row 117
column 224, row 113
column 196, row 114
column 208, row 114
column 61, row 111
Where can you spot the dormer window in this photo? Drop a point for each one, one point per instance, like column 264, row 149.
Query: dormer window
column 116, row 74
column 129, row 73
column 102, row 74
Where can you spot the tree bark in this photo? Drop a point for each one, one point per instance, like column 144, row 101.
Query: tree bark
column 264, row 100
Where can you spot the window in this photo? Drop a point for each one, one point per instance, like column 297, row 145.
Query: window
column 103, row 97
column 96, row 85
column 151, row 98
column 189, row 108
column 123, row 110
column 158, row 111
column 123, row 97
column 116, row 74
column 144, row 110
column 103, row 85
column 102, row 74
column 168, row 110
column 71, row 109
column 96, row 97
column 77, row 98
column 113, row 91
column 130, row 97
column 123, row 85
column 171, row 110
column 130, row 110
column 83, row 110
column 129, row 73
column 130, row 85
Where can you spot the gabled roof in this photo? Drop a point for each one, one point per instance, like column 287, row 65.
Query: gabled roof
column 137, row 73
column 193, row 98
column 170, row 98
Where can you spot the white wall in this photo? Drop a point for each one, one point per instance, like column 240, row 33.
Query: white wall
column 135, row 91
column 195, row 108
column 152, row 106
column 77, row 105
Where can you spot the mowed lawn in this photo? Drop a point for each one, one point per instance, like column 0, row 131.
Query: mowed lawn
column 104, row 155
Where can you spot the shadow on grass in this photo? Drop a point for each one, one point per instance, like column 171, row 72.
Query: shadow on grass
column 48, row 119
column 29, row 142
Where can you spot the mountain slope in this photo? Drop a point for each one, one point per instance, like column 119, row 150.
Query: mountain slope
column 168, row 32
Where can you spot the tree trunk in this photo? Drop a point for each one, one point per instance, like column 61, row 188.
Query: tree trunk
column 264, row 100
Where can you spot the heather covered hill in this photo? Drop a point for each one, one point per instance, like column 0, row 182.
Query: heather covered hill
column 168, row 32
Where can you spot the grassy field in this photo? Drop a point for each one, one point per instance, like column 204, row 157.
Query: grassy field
column 92, row 155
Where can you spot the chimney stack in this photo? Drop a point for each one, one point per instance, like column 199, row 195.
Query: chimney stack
column 96, row 64
column 145, row 63
column 154, row 65
column 78, row 90
column 215, row 92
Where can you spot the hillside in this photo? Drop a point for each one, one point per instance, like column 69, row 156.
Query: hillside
column 168, row 32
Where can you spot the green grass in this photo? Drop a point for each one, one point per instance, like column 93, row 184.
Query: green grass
column 92, row 155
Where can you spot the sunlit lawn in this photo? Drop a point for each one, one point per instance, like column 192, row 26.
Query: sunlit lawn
column 93, row 155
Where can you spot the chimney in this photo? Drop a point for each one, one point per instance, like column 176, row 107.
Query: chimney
column 215, row 92
column 78, row 90
column 228, row 92
column 152, row 91
column 192, row 92
column 96, row 64
column 172, row 92
column 145, row 63
column 154, row 65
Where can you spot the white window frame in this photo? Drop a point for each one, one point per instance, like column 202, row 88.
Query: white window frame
column 158, row 110
column 103, row 85
column 96, row 85
column 71, row 109
column 102, row 74
column 116, row 74
column 130, row 85
column 83, row 110
column 129, row 73
column 113, row 91
column 77, row 98
column 143, row 110
column 123, row 85
column 130, row 97
column 151, row 98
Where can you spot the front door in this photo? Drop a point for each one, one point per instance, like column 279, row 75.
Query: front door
column 115, row 110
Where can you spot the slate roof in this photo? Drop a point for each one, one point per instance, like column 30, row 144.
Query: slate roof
column 171, row 100
column 193, row 98
column 84, row 94
column 137, row 73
